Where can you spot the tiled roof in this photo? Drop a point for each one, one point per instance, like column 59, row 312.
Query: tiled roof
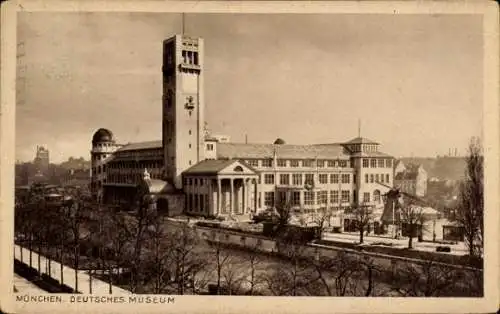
column 141, row 145
column 209, row 166
column 361, row 140
column 244, row 151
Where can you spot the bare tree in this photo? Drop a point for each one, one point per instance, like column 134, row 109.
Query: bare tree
column 186, row 258
column 363, row 215
column 221, row 256
column 427, row 279
column 233, row 273
column 338, row 275
column 254, row 261
column 412, row 216
column 293, row 279
column 470, row 211
column 322, row 217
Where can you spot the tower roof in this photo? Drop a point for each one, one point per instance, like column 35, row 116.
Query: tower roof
column 361, row 140
column 102, row 135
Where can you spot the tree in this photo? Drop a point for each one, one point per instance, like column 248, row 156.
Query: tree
column 221, row 257
column 412, row 216
column 255, row 265
column 363, row 215
column 470, row 211
column 321, row 217
column 294, row 279
column 426, row 279
column 186, row 258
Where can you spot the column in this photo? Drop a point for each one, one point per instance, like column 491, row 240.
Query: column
column 219, row 197
column 255, row 196
column 231, row 196
column 210, row 208
column 245, row 195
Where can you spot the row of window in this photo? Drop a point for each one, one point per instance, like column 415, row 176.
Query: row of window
column 136, row 165
column 377, row 178
column 377, row 163
column 307, row 178
column 295, row 163
column 321, row 197
column 198, row 202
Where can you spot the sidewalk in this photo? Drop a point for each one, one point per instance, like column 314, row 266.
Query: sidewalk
column 456, row 249
column 24, row 286
column 98, row 286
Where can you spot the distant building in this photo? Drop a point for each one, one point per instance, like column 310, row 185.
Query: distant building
column 42, row 161
column 411, row 178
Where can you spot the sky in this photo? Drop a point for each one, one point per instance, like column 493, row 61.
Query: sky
column 414, row 81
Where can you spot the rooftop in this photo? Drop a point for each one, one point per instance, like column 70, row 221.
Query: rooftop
column 361, row 140
column 141, row 146
column 243, row 151
column 209, row 166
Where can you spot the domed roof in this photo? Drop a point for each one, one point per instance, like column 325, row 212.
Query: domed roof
column 279, row 141
column 102, row 135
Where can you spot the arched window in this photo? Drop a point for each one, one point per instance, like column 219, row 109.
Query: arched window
column 238, row 169
column 376, row 196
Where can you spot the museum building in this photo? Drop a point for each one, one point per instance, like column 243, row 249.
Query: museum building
column 189, row 170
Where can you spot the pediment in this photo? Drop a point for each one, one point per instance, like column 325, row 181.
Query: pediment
column 236, row 168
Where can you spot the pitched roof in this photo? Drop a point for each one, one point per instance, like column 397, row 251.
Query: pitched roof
column 243, row 151
column 209, row 166
column 141, row 146
column 361, row 140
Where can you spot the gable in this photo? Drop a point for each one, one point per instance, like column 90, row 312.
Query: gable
column 237, row 168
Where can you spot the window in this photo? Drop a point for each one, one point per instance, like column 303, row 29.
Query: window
column 346, row 178
column 267, row 163
column 210, row 147
column 284, row 179
column 345, row 196
column 269, row 178
column 295, row 198
column 269, row 199
column 294, row 163
column 309, row 198
column 388, row 163
column 366, row 178
column 309, row 178
column 381, row 163
column 343, row 163
column 297, row 178
column 334, row 197
column 281, row 163
column 382, row 178
column 365, row 163
column 371, row 178
column 354, row 178
column 331, row 163
column 321, row 163
column 373, row 163
column 323, row 178
column 387, row 178
column 376, row 196
column 253, row 162
column 376, row 178
column 366, row 197
column 189, row 145
column 322, row 197
column 307, row 163
column 334, row 178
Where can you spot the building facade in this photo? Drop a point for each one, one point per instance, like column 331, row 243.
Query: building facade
column 217, row 177
column 411, row 179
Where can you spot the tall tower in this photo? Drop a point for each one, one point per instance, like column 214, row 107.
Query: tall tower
column 183, row 105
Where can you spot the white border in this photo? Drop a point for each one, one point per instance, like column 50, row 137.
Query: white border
column 202, row 304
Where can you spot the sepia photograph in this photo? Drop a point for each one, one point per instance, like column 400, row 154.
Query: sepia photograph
column 163, row 155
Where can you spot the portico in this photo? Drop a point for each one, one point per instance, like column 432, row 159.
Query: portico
column 221, row 188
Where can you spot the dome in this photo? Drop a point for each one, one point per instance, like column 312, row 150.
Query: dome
column 102, row 135
column 279, row 141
